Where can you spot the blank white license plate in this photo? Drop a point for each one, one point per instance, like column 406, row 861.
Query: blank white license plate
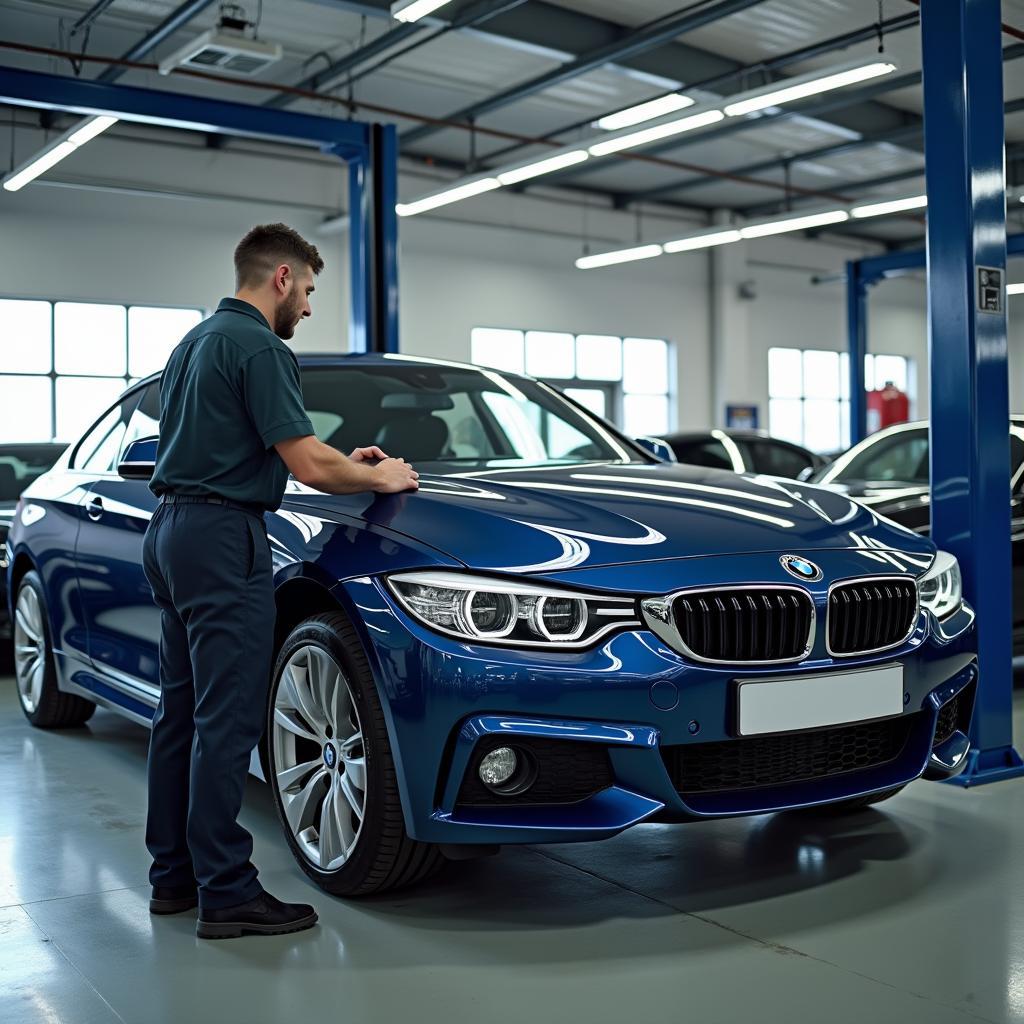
column 812, row 702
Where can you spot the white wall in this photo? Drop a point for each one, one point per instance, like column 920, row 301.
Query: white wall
column 494, row 261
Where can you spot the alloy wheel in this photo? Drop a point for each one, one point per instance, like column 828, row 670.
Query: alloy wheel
column 29, row 648
column 319, row 758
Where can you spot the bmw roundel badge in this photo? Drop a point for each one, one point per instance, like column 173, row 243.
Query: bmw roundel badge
column 801, row 568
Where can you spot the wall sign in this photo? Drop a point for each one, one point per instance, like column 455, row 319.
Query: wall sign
column 990, row 289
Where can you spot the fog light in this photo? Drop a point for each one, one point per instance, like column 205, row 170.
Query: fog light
column 497, row 767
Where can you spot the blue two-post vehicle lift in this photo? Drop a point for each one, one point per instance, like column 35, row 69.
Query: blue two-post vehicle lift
column 966, row 184
column 369, row 150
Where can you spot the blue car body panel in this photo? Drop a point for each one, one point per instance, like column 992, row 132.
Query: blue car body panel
column 635, row 530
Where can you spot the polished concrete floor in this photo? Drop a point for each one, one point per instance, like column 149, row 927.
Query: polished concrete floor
column 911, row 913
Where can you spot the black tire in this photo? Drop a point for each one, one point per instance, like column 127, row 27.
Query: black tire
column 385, row 857
column 54, row 709
column 857, row 803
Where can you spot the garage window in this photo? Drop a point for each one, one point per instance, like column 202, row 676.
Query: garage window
column 625, row 380
column 63, row 362
column 809, row 393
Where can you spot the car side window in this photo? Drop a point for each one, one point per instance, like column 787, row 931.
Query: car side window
column 145, row 420
column 902, row 458
column 777, row 459
column 99, row 449
column 704, row 453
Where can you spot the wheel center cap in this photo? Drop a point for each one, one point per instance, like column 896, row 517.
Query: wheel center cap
column 330, row 755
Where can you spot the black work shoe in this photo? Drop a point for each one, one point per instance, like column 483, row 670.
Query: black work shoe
column 264, row 915
column 172, row 899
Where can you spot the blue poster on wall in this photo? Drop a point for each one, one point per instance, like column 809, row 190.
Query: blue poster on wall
column 741, row 417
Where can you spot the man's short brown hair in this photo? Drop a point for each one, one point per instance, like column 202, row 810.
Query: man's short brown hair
column 268, row 246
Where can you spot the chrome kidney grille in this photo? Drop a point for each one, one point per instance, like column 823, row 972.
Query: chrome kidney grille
column 738, row 625
column 869, row 615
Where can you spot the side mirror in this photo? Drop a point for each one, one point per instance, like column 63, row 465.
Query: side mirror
column 658, row 448
column 139, row 459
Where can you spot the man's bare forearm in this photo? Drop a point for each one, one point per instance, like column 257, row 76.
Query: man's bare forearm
column 336, row 473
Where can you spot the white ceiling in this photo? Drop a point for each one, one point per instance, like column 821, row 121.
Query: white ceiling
column 460, row 68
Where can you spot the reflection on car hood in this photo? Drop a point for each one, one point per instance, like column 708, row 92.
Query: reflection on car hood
column 887, row 498
column 550, row 519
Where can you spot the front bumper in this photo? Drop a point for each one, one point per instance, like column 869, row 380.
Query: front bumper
column 641, row 704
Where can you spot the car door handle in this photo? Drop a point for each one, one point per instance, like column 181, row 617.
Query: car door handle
column 95, row 508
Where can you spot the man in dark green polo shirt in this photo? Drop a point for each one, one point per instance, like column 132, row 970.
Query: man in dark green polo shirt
column 233, row 425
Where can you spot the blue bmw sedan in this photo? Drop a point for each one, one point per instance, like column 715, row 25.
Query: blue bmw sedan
column 559, row 636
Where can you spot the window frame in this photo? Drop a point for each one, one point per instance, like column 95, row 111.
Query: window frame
column 842, row 402
column 615, row 390
column 53, row 376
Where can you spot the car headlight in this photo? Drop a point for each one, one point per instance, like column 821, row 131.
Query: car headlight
column 941, row 587
column 483, row 609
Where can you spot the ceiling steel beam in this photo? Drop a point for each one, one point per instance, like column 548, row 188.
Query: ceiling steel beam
column 767, row 67
column 178, row 18
column 468, row 16
column 638, row 40
column 901, row 136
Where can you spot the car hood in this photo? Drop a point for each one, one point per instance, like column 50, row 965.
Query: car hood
column 552, row 519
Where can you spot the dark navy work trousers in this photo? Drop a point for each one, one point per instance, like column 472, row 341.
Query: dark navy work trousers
column 210, row 570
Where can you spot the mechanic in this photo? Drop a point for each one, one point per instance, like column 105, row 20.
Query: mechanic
column 233, row 425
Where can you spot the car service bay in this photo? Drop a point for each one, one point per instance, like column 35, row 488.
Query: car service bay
column 676, row 675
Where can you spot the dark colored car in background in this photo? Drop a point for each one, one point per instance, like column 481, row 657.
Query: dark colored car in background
column 745, row 451
column 20, row 464
column 889, row 473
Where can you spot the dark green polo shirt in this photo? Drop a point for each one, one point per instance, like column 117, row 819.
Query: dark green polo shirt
column 229, row 393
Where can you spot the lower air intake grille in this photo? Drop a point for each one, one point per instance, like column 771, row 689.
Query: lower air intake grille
column 757, row 624
column 949, row 715
column 870, row 615
column 565, row 772
column 758, row 761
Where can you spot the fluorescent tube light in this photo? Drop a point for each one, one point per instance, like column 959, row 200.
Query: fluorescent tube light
column 413, row 10
column 607, row 259
column 778, row 227
column 57, row 150
column 645, row 111
column 1015, row 289
column 659, row 131
column 91, row 129
column 554, row 163
column 891, row 206
column 703, row 241
column 775, row 95
column 39, row 165
column 451, row 195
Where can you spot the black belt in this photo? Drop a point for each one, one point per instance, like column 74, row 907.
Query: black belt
column 211, row 499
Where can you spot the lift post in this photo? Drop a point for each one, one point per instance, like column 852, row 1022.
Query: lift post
column 370, row 150
column 961, row 44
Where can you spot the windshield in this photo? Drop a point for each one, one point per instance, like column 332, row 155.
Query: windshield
column 21, row 464
column 454, row 417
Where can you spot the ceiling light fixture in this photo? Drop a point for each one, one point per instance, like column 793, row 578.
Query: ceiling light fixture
column 56, row 151
column 703, row 241
column 659, row 131
column 645, row 111
column 890, row 206
column 450, row 195
column 413, row 10
column 554, row 163
column 1015, row 289
column 606, row 259
column 778, row 227
column 806, row 85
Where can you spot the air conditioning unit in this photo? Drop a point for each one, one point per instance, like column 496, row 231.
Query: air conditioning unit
column 225, row 49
